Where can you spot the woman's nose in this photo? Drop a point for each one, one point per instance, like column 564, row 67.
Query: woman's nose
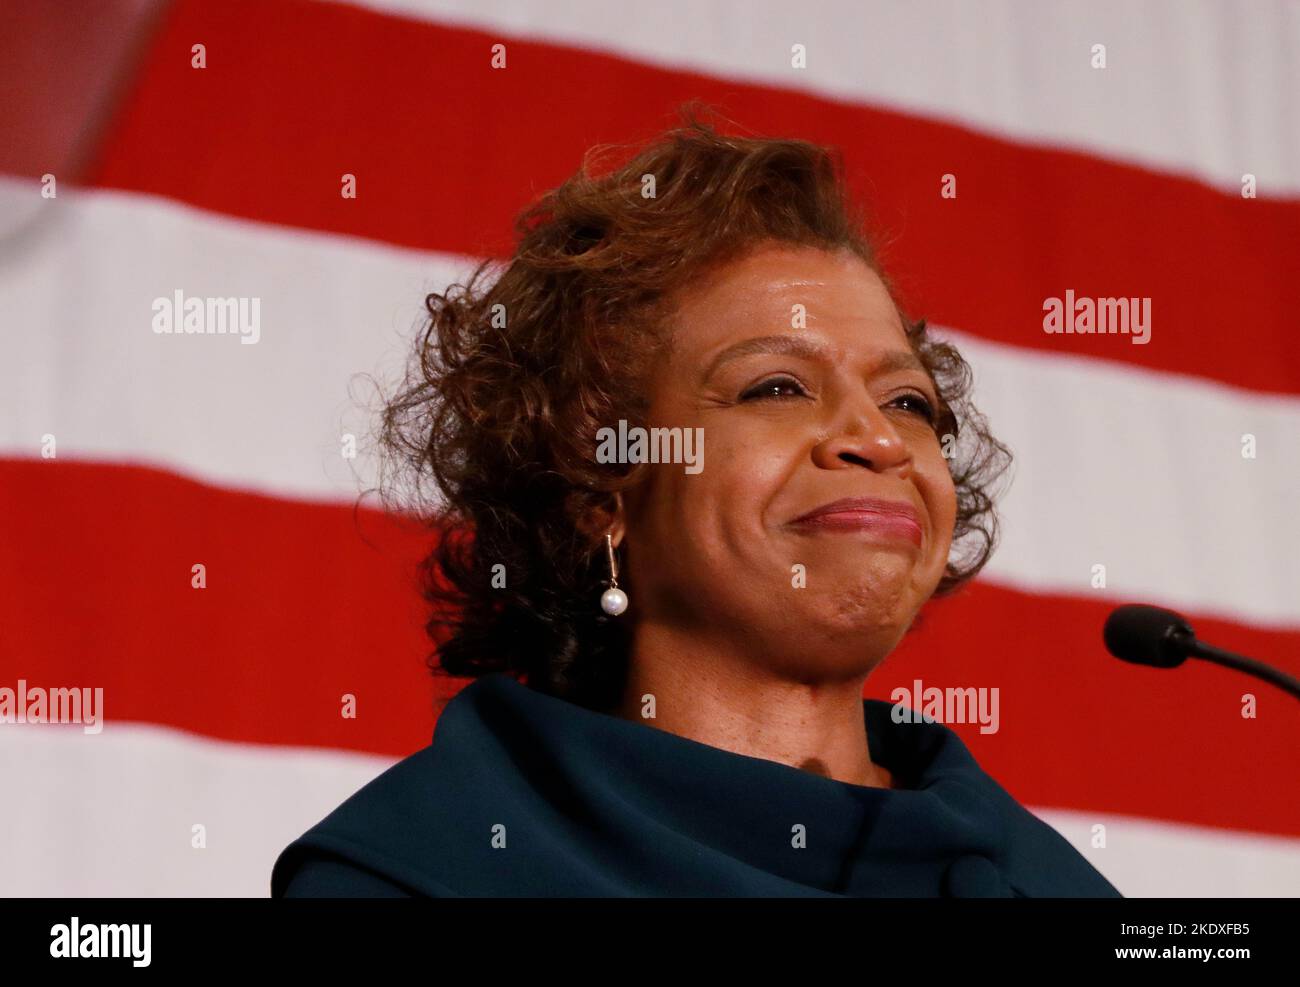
column 864, row 438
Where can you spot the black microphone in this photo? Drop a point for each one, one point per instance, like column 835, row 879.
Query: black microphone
column 1148, row 635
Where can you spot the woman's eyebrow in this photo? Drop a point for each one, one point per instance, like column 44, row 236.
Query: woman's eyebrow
column 787, row 345
column 899, row 360
column 782, row 345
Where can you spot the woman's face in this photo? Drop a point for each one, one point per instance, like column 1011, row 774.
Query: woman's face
column 794, row 363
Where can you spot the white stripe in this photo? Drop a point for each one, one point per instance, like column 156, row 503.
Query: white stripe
column 113, row 815
column 1142, row 473
column 1202, row 88
column 1136, row 471
column 84, row 364
column 1147, row 859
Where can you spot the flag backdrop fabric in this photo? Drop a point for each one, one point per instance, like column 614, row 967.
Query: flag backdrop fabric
column 1008, row 152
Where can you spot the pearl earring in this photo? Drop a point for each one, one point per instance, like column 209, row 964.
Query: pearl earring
column 613, row 601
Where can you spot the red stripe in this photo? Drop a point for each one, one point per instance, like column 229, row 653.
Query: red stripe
column 446, row 150
column 306, row 603
column 1082, row 730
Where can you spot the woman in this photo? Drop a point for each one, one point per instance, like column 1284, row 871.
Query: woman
column 669, row 631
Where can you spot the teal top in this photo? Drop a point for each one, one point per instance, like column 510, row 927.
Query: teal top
column 524, row 794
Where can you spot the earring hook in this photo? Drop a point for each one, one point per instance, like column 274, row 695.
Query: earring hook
column 613, row 559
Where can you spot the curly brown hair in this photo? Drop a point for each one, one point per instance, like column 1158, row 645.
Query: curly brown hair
column 517, row 369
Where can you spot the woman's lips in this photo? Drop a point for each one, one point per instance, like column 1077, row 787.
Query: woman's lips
column 884, row 517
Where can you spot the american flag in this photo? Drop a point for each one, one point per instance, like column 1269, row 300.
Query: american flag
column 186, row 522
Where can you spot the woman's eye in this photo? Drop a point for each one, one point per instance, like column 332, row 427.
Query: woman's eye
column 920, row 405
column 775, row 387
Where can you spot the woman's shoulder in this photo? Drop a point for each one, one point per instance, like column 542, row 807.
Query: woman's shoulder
column 370, row 844
column 319, row 875
column 385, row 837
column 1029, row 855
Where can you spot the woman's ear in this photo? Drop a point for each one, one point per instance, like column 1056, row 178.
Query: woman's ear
column 597, row 521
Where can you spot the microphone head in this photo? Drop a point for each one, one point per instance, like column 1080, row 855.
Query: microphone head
column 1148, row 635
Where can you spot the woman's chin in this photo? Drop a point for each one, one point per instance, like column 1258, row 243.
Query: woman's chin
column 861, row 619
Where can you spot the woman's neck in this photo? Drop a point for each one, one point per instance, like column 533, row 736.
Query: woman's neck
column 706, row 692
